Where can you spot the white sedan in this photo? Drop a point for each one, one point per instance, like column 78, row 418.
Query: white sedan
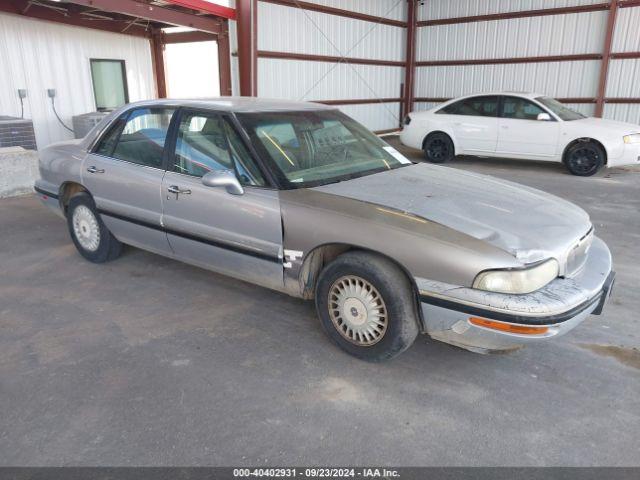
column 521, row 125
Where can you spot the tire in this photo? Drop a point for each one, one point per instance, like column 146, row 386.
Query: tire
column 342, row 282
column 90, row 235
column 438, row 148
column 584, row 158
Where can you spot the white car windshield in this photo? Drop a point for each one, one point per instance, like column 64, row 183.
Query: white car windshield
column 562, row 111
column 310, row 148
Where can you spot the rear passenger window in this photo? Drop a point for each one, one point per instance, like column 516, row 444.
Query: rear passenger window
column 474, row 107
column 143, row 137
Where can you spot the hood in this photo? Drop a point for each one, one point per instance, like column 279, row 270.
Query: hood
column 530, row 224
column 611, row 126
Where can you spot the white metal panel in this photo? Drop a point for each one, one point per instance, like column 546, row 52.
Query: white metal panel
column 375, row 116
column 623, row 78
column 303, row 80
column 435, row 9
column 391, row 9
column 287, row 29
column 534, row 36
column 520, row 37
column 422, row 106
column 627, row 37
column 38, row 55
column 623, row 112
column 557, row 79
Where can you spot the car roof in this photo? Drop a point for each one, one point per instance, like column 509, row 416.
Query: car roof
column 236, row 104
column 531, row 95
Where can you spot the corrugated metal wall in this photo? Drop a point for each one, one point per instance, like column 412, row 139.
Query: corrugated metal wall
column 519, row 37
column 38, row 55
column 558, row 79
column 567, row 34
column 293, row 30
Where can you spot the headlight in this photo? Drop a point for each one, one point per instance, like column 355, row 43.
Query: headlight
column 633, row 138
column 525, row 280
column 407, row 120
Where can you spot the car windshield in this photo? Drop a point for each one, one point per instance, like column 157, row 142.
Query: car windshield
column 562, row 111
column 311, row 148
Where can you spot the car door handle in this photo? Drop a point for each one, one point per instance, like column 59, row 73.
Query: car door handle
column 176, row 189
column 505, row 127
column 93, row 169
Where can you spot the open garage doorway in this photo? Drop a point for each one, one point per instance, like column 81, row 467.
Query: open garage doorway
column 192, row 70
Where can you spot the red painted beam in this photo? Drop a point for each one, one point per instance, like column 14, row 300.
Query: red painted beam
column 207, row 7
column 154, row 13
column 157, row 59
column 247, row 17
column 502, row 61
column 519, row 14
column 329, row 58
column 606, row 56
column 622, row 55
column 359, row 101
column 622, row 100
column 410, row 64
column 189, row 37
column 314, row 7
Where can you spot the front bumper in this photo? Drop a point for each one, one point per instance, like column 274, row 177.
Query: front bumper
column 456, row 314
column 630, row 156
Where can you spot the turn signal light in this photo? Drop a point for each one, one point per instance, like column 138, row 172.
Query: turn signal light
column 508, row 327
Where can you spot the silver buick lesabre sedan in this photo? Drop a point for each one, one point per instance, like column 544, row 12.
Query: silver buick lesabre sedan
column 300, row 198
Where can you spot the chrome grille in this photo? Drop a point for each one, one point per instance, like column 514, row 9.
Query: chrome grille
column 578, row 254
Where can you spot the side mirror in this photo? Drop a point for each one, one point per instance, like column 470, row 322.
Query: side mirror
column 544, row 117
column 223, row 178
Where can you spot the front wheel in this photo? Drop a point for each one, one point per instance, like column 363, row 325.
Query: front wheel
column 90, row 235
column 366, row 306
column 584, row 159
column 438, row 148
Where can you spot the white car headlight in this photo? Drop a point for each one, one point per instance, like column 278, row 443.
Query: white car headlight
column 633, row 138
column 524, row 280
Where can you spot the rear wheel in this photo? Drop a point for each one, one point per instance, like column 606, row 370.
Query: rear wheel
column 366, row 306
column 90, row 235
column 584, row 159
column 438, row 148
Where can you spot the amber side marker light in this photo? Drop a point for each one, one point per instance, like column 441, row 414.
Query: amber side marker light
column 508, row 327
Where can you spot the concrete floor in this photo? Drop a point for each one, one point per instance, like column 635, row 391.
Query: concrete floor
column 146, row 361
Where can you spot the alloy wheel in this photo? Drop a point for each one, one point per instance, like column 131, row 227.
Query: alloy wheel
column 584, row 160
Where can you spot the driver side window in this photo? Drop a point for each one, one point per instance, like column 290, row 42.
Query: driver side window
column 207, row 142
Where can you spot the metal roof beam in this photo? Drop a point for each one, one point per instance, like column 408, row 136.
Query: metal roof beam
column 70, row 16
column 154, row 13
column 207, row 7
